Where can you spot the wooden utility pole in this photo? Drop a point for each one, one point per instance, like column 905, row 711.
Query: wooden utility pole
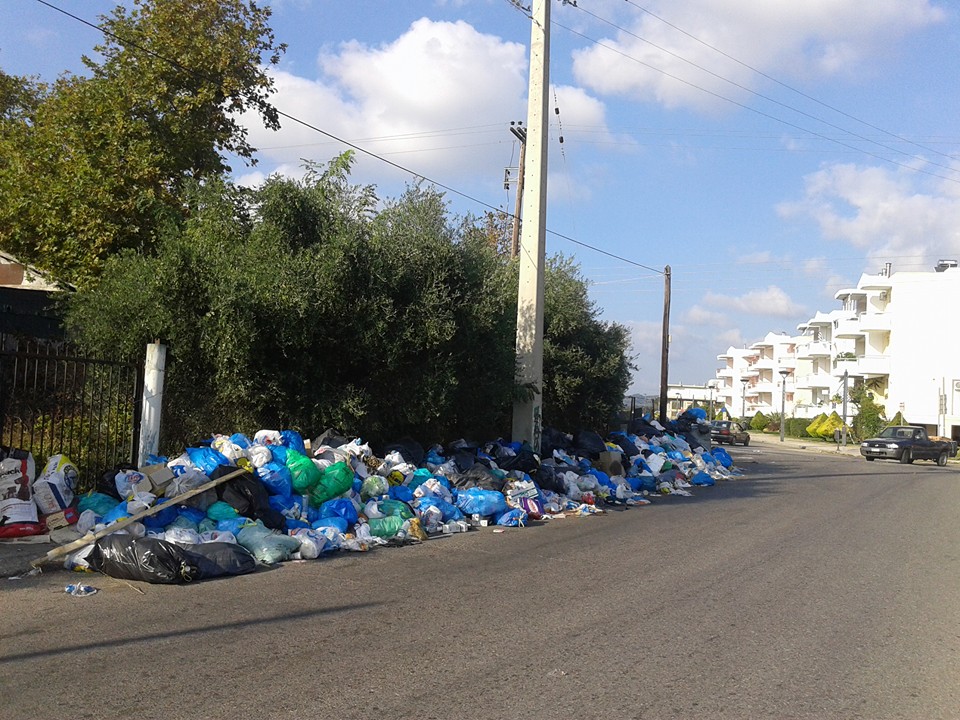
column 665, row 352
column 521, row 135
column 528, row 409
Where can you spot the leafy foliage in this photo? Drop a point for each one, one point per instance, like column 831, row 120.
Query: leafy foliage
column 91, row 166
column 311, row 304
column 759, row 422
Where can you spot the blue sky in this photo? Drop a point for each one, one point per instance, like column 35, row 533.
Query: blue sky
column 768, row 151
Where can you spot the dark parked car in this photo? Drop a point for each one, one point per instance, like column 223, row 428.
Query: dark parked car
column 729, row 432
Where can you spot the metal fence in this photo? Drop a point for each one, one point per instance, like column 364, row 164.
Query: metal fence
column 53, row 401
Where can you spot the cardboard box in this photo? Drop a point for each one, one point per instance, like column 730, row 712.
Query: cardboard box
column 62, row 518
column 159, row 475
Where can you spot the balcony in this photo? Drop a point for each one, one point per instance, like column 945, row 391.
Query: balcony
column 847, row 328
column 814, row 381
column 814, row 349
column 875, row 322
column 873, row 365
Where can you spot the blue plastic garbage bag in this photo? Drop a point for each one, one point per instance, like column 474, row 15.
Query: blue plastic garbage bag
column 701, row 478
column 233, row 525
column 100, row 503
column 161, row 519
column 708, row 458
column 286, row 505
column 293, row 523
column 279, row 453
column 695, row 412
column 400, row 492
column 334, row 521
column 291, row 439
column 515, row 517
column 207, row 459
column 477, row 501
column 241, row 440
column 156, row 460
column 722, row 456
column 447, row 510
column 434, row 458
column 340, row 507
column 276, row 477
column 193, row 514
column 117, row 513
column 676, row 455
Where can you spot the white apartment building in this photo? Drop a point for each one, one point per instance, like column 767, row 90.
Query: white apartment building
column 891, row 333
column 759, row 378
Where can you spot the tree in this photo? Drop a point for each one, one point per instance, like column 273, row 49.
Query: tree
column 586, row 366
column 870, row 417
column 95, row 165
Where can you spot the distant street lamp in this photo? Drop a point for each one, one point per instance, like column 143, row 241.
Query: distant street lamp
column 783, row 402
column 712, row 385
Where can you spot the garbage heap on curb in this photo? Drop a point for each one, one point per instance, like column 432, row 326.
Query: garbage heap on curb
column 291, row 499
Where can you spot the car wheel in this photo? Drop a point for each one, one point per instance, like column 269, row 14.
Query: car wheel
column 746, row 442
column 905, row 457
column 869, row 459
column 942, row 459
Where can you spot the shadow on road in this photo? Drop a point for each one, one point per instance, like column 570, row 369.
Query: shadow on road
column 183, row 632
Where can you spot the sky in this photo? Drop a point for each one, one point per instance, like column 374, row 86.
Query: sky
column 768, row 151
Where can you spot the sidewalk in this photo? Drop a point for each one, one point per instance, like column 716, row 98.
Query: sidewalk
column 809, row 445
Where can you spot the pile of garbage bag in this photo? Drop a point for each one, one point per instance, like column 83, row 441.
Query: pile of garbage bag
column 233, row 502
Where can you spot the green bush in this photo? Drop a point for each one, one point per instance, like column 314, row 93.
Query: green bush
column 759, row 422
column 797, row 427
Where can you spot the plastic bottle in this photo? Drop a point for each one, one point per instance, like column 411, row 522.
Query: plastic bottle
column 80, row 590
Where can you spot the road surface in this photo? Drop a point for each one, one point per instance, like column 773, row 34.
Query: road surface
column 814, row 587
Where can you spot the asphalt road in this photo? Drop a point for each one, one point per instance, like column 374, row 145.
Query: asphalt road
column 814, row 587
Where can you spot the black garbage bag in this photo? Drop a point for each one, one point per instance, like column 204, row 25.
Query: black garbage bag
column 546, row 478
column 154, row 561
column 410, row 450
column 552, row 439
column 248, row 496
column 478, row 476
column 464, row 459
column 107, row 484
column 330, row 438
column 589, row 444
column 525, row 460
column 639, row 426
column 220, row 558
column 624, row 443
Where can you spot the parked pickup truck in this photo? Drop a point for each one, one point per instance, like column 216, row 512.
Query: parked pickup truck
column 906, row 444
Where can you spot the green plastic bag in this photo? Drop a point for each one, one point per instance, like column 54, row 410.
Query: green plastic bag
column 335, row 481
column 386, row 527
column 221, row 511
column 303, row 472
column 396, row 507
column 373, row 486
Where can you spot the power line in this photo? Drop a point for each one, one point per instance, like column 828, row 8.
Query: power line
column 751, row 109
column 785, row 85
column 760, row 95
column 336, row 138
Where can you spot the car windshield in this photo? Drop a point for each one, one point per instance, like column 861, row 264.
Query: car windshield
column 897, row 433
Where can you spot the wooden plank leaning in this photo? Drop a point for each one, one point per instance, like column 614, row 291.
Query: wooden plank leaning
column 89, row 538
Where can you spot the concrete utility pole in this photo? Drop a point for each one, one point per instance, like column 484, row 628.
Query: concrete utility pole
column 665, row 347
column 521, row 134
column 528, row 411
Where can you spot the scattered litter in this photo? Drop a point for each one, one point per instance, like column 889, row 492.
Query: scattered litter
column 81, row 590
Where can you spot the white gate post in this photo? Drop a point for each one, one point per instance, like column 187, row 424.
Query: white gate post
column 153, row 371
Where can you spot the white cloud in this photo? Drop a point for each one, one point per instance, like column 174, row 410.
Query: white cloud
column 818, row 38
column 763, row 256
column 886, row 213
column 772, row 302
column 699, row 315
